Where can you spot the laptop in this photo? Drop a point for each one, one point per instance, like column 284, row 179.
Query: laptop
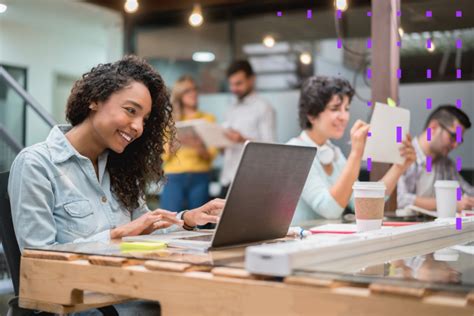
column 260, row 202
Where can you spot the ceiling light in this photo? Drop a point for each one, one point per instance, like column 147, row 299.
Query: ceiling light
column 196, row 19
column 203, row 57
column 3, row 7
column 341, row 5
column 269, row 41
column 131, row 6
column 305, row 58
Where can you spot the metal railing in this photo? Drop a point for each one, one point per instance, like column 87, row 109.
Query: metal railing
column 9, row 148
column 9, row 140
column 27, row 97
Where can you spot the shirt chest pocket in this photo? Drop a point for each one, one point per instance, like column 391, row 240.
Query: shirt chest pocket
column 80, row 218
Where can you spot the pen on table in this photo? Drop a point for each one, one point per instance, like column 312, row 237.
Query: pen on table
column 298, row 231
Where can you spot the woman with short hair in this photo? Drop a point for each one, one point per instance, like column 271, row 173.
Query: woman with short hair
column 323, row 115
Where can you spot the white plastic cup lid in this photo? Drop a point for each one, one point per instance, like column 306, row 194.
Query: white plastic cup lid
column 369, row 185
column 369, row 189
column 448, row 184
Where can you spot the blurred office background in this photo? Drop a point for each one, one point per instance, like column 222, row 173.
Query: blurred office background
column 45, row 45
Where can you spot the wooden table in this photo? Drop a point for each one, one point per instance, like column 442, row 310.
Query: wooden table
column 66, row 282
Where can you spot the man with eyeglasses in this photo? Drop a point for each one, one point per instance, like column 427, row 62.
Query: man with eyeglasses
column 440, row 137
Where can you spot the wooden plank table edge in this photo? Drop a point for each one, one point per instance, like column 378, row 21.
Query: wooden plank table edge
column 177, row 294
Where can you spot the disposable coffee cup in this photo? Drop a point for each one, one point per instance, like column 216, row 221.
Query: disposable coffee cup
column 369, row 198
column 446, row 198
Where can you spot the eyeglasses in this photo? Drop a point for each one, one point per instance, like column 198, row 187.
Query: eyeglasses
column 452, row 135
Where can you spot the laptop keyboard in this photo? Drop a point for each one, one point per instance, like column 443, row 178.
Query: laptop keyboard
column 199, row 238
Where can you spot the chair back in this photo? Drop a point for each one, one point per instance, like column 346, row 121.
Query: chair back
column 7, row 233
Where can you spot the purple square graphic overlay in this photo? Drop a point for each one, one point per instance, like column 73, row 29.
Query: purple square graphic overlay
column 428, row 163
column 428, row 73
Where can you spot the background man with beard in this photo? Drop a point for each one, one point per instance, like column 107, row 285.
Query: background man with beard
column 416, row 186
column 249, row 118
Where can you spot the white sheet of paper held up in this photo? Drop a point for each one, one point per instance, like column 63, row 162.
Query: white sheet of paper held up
column 211, row 134
column 388, row 128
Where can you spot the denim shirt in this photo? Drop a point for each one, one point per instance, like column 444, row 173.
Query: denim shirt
column 56, row 196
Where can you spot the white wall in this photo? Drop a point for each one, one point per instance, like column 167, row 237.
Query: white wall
column 51, row 37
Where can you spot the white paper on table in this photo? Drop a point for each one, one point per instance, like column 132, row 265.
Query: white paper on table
column 422, row 210
column 382, row 145
column 211, row 134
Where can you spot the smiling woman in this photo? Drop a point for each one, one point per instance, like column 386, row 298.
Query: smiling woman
column 107, row 109
column 87, row 181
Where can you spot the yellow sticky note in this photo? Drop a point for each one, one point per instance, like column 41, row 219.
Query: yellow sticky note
column 391, row 103
column 141, row 246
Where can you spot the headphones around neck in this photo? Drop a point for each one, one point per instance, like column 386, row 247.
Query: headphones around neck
column 326, row 154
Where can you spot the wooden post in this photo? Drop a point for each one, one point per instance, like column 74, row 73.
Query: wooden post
column 385, row 63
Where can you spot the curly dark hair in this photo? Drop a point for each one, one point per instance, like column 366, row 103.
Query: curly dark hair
column 316, row 92
column 141, row 162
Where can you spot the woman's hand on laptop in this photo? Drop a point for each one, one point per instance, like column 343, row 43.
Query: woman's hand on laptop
column 208, row 213
column 146, row 224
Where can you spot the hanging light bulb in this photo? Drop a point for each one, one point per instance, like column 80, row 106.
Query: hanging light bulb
column 269, row 41
column 401, row 32
column 196, row 18
column 3, row 7
column 305, row 58
column 131, row 6
column 341, row 5
column 432, row 47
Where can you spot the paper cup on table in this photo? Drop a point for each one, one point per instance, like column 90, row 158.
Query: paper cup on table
column 369, row 198
column 446, row 198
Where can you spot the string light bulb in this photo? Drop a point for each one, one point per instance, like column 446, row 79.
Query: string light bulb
column 341, row 5
column 196, row 18
column 3, row 7
column 131, row 6
column 269, row 41
column 305, row 58
column 432, row 47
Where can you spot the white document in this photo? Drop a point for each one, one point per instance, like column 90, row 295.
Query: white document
column 212, row 134
column 387, row 124
column 422, row 210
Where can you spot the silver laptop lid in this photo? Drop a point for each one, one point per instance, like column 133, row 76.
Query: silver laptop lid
column 262, row 198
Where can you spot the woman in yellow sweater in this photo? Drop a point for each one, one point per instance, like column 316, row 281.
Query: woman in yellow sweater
column 188, row 169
